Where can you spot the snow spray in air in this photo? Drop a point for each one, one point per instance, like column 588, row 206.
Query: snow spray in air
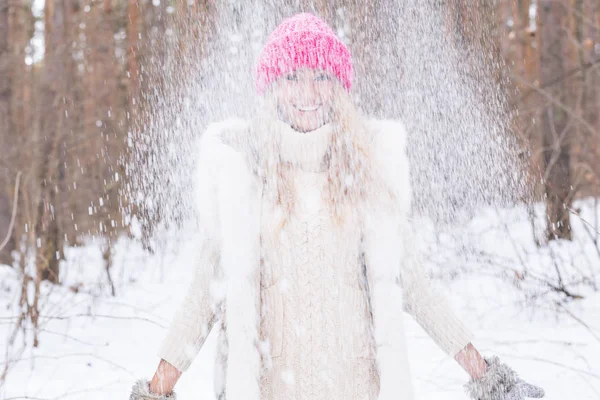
column 407, row 63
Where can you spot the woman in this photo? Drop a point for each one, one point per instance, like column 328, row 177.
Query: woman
column 307, row 262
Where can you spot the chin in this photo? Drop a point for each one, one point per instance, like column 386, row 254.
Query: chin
column 307, row 128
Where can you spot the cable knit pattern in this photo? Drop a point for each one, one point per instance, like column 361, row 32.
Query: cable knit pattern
column 330, row 324
column 315, row 267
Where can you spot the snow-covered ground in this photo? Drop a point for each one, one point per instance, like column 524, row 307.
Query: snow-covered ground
column 94, row 346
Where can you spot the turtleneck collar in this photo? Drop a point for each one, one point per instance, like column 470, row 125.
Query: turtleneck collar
column 304, row 149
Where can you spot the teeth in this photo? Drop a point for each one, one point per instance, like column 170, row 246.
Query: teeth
column 314, row 108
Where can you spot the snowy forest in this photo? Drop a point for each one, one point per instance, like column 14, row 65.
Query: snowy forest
column 101, row 100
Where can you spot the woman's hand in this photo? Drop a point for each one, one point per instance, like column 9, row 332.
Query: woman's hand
column 491, row 380
column 141, row 391
column 500, row 382
column 165, row 378
column 471, row 361
column 161, row 387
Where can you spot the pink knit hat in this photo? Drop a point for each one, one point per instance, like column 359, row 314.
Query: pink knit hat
column 303, row 41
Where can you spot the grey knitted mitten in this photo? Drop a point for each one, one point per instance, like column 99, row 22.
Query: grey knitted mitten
column 500, row 382
column 141, row 391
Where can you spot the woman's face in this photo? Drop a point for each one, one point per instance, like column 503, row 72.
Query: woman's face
column 304, row 98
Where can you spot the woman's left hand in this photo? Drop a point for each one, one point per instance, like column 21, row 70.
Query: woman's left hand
column 500, row 382
column 523, row 390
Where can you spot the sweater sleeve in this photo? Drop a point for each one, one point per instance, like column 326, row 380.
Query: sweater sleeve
column 431, row 310
column 428, row 308
column 195, row 317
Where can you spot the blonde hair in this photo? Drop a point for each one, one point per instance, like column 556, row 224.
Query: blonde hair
column 349, row 172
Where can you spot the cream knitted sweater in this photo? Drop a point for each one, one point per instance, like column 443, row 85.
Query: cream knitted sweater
column 316, row 322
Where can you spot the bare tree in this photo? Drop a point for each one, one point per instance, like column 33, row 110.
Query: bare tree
column 53, row 122
column 5, row 101
column 555, row 119
column 15, row 86
column 133, row 49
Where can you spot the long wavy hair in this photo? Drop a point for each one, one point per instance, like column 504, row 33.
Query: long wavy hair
column 349, row 172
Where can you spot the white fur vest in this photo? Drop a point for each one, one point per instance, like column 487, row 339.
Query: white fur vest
column 237, row 205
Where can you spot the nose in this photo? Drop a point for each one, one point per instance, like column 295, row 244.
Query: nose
column 308, row 90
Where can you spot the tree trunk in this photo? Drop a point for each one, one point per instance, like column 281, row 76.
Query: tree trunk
column 133, row 32
column 56, row 57
column 5, row 87
column 555, row 120
column 15, row 31
column 5, row 101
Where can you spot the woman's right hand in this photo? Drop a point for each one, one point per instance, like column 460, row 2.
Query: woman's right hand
column 500, row 382
column 164, row 379
column 161, row 386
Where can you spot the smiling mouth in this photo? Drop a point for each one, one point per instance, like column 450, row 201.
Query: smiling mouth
column 305, row 109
